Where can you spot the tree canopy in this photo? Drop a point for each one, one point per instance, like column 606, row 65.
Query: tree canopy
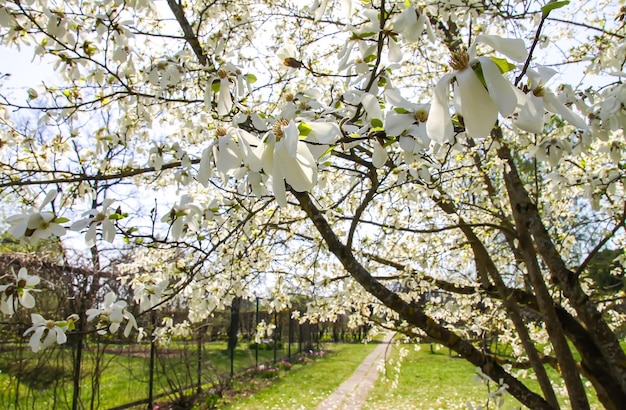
column 445, row 169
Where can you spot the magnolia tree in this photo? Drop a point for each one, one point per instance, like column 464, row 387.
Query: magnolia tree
column 446, row 169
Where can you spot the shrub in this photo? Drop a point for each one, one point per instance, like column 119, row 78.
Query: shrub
column 266, row 372
column 284, row 365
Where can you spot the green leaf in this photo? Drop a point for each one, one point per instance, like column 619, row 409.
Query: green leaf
column 370, row 58
column 503, row 64
column 376, row 123
column 304, row 129
column 401, row 110
column 215, row 86
column 251, row 78
column 545, row 10
column 60, row 220
column 328, row 151
column 389, row 142
column 117, row 217
column 362, row 36
column 478, row 70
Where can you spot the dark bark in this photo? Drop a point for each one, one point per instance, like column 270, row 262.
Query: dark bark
column 567, row 364
column 413, row 314
column 593, row 366
column 487, row 269
column 603, row 337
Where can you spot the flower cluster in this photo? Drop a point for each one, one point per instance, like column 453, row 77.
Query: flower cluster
column 482, row 92
column 37, row 224
column 46, row 332
column 19, row 290
column 111, row 315
column 263, row 330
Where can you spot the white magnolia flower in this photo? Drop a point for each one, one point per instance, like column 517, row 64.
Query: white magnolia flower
column 536, row 99
column 357, row 35
column 236, row 149
column 321, row 137
column 287, row 54
column 149, row 295
column 183, row 216
column 263, row 330
column 35, row 224
column 228, row 77
column 411, row 24
column 287, row 159
column 20, row 290
column 612, row 110
column 405, row 116
column 476, row 102
column 45, row 332
column 104, row 218
column 112, row 314
column 245, row 115
column 224, row 100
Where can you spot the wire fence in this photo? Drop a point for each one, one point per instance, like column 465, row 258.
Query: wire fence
column 96, row 372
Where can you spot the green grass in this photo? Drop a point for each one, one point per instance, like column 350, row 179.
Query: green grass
column 304, row 387
column 44, row 380
column 437, row 381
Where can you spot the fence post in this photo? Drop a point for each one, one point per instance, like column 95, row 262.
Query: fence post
column 199, row 348
column 290, row 334
column 232, row 332
column 275, row 333
column 317, row 335
column 152, row 362
column 77, row 364
column 300, row 338
column 256, row 349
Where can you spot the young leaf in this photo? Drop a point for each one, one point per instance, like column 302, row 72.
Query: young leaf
column 304, row 129
column 545, row 10
column 503, row 64
column 376, row 123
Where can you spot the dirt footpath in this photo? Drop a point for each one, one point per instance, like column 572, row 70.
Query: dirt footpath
column 352, row 393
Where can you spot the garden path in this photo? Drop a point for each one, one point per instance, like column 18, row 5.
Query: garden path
column 352, row 393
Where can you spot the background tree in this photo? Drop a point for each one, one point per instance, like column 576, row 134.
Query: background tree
column 413, row 162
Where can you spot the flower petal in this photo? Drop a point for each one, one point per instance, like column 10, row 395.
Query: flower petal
column 49, row 197
column 439, row 124
column 500, row 89
column 479, row 111
column 224, row 99
column 291, row 139
column 379, row 156
column 395, row 52
column 514, row 48
column 531, row 115
column 35, row 339
column 553, row 104
column 27, row 300
column 371, row 106
column 396, row 124
column 300, row 172
column 61, row 336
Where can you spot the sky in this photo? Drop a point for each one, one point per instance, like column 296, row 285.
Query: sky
column 24, row 72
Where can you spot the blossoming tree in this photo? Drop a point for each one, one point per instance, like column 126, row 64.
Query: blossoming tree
column 423, row 164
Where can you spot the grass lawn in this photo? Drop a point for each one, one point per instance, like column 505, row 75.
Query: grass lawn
column 438, row 381
column 44, row 380
column 304, row 387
